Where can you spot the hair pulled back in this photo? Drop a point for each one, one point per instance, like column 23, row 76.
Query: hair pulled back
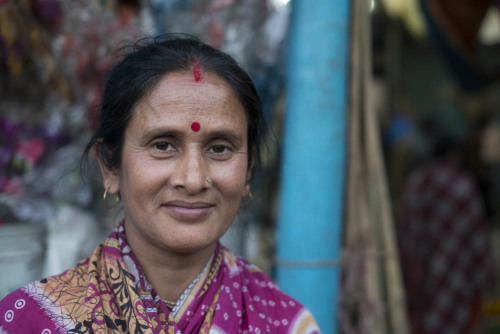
column 139, row 72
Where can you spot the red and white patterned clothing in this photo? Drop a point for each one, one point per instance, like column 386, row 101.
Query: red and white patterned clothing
column 444, row 248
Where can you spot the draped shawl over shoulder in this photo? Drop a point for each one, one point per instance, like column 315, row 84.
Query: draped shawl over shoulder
column 107, row 293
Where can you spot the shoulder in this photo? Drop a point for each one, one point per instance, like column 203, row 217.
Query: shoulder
column 265, row 301
column 40, row 306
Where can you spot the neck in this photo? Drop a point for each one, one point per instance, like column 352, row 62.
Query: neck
column 169, row 272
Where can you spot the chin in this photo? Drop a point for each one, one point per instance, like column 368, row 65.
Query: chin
column 189, row 246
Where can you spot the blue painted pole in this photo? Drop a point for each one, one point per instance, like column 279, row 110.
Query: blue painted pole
column 314, row 157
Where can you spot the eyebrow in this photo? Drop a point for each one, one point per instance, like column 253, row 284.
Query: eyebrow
column 226, row 134
column 220, row 134
column 147, row 136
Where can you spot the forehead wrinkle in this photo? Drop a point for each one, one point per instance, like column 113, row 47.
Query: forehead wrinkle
column 157, row 104
column 192, row 96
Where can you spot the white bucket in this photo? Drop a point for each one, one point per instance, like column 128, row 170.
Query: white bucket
column 22, row 255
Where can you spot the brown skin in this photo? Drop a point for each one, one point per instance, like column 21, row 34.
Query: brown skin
column 173, row 216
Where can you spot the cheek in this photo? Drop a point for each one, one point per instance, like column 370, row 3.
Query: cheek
column 232, row 179
column 140, row 177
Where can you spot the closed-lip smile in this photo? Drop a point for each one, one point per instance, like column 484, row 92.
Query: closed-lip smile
column 188, row 210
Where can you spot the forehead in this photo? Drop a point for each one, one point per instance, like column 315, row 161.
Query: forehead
column 179, row 98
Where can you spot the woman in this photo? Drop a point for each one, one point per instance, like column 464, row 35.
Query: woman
column 178, row 138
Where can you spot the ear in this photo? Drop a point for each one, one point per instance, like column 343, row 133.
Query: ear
column 246, row 190
column 110, row 177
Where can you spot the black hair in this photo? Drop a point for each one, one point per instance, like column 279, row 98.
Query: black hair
column 139, row 72
column 442, row 143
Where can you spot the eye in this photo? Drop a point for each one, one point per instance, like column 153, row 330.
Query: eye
column 163, row 146
column 219, row 149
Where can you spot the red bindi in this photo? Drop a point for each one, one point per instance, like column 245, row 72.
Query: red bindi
column 195, row 126
column 196, row 72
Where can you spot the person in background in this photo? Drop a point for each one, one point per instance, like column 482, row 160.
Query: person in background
column 178, row 139
column 443, row 241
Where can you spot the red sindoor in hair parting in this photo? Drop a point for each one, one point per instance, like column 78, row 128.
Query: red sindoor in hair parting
column 196, row 72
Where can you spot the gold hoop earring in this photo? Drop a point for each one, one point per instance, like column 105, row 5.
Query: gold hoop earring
column 106, row 203
column 249, row 202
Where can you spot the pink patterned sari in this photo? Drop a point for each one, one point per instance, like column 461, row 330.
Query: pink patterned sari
column 107, row 293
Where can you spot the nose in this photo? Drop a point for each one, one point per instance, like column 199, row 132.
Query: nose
column 190, row 173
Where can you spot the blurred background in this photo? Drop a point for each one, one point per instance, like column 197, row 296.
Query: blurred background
column 418, row 225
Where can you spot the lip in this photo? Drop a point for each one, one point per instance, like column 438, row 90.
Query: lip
column 182, row 210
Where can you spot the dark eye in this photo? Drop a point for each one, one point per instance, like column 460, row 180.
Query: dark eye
column 163, row 146
column 219, row 149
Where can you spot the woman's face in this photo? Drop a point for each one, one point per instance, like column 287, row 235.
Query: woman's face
column 162, row 180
